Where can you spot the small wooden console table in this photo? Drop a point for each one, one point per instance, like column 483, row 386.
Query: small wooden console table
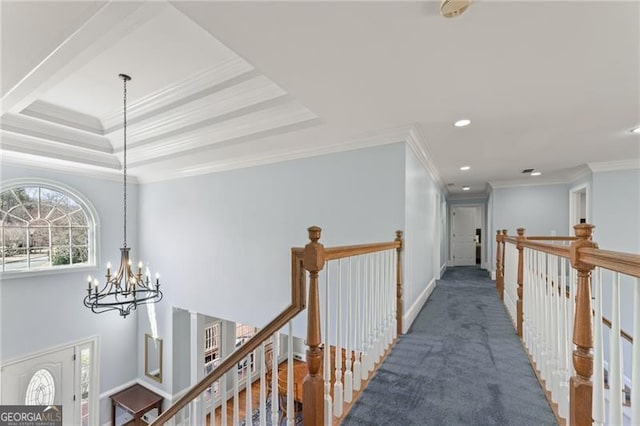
column 137, row 400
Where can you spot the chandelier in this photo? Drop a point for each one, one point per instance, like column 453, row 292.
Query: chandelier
column 124, row 290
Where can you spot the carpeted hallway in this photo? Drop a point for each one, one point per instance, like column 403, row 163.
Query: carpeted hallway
column 461, row 363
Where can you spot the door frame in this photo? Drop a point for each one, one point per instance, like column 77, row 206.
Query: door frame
column 94, row 370
column 574, row 199
column 481, row 210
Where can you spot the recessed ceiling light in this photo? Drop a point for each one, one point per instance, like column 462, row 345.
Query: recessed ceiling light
column 465, row 188
column 635, row 130
column 462, row 123
column 465, row 168
column 535, row 173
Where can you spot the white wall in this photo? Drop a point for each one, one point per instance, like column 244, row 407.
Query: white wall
column 616, row 215
column 421, row 237
column 222, row 241
column 41, row 312
column 541, row 210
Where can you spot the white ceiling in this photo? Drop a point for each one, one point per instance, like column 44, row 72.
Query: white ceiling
column 216, row 85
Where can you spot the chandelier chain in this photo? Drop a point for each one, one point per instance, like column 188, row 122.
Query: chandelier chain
column 125, row 163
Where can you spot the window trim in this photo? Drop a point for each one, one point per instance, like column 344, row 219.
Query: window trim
column 94, row 227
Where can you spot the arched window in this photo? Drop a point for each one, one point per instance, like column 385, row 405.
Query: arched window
column 44, row 226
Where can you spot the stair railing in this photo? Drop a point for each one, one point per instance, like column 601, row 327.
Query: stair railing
column 554, row 316
column 367, row 316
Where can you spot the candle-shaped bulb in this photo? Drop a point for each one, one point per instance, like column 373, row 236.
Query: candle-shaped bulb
column 89, row 282
column 139, row 268
column 157, row 278
column 130, row 263
column 108, row 268
column 95, row 285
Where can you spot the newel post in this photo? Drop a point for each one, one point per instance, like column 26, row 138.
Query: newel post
column 520, row 248
column 581, row 386
column 399, row 302
column 499, row 276
column 313, row 395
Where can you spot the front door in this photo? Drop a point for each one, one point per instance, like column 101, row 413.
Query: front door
column 42, row 380
column 464, row 236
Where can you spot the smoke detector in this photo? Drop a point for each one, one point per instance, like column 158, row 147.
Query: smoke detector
column 453, row 8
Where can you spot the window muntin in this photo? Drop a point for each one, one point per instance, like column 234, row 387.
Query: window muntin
column 41, row 389
column 43, row 227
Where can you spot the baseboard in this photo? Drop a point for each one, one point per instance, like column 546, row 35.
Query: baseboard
column 413, row 311
column 443, row 269
column 493, row 274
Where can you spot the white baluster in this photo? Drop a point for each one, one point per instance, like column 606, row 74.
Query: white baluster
column 212, row 406
column 615, row 358
column 236, row 398
column 263, row 385
column 364, row 284
column 275, row 392
column 247, row 390
column 598, row 365
column 552, row 322
column 563, row 399
column 337, row 385
column 348, row 375
column 223, row 400
column 328, row 416
column 290, row 409
column 357, row 373
column 635, row 372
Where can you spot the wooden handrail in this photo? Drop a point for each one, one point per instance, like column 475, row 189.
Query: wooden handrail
column 626, row 263
column 626, row 336
column 561, row 251
column 298, row 286
column 309, row 259
column 552, row 238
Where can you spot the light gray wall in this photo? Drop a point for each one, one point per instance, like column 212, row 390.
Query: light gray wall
column 616, row 215
column 223, row 240
column 41, row 312
column 420, row 230
column 541, row 210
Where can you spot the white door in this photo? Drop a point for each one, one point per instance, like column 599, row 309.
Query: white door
column 43, row 380
column 464, row 236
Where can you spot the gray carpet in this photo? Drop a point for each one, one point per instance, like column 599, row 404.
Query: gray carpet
column 461, row 363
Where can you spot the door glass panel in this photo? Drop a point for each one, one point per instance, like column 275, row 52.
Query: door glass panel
column 85, row 364
column 41, row 389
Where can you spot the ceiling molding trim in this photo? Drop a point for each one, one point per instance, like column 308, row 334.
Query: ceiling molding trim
column 419, row 147
column 35, row 128
column 518, row 183
column 386, row 137
column 211, row 78
column 72, row 168
column 609, row 166
column 206, row 111
column 47, row 148
column 280, row 116
column 64, row 117
column 580, row 172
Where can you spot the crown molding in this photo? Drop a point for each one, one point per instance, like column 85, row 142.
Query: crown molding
column 609, row 166
column 369, row 141
column 216, row 78
column 71, row 168
column 245, row 97
column 28, row 145
column 34, row 128
column 420, row 148
column 64, row 117
column 579, row 173
column 272, row 119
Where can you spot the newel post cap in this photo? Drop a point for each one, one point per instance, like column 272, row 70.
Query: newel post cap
column 399, row 238
column 584, row 232
column 313, row 259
